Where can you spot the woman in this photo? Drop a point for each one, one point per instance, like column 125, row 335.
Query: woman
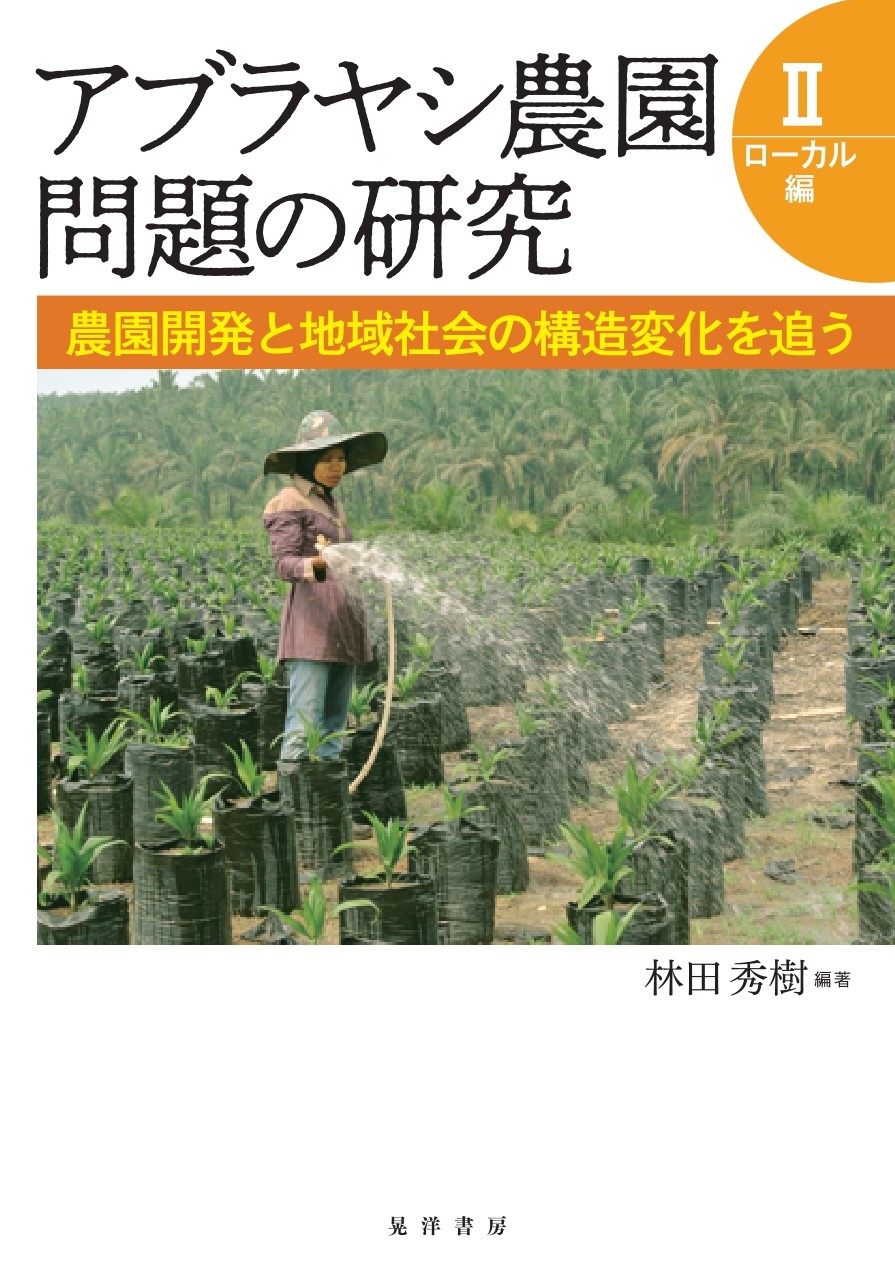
column 323, row 632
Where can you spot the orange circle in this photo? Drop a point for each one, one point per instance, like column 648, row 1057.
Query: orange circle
column 814, row 146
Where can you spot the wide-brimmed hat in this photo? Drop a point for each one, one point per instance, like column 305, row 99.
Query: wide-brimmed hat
column 320, row 431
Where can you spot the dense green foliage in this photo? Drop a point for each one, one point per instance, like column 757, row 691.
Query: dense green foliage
column 620, row 455
column 73, row 853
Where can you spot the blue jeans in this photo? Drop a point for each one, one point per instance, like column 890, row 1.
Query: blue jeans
column 319, row 691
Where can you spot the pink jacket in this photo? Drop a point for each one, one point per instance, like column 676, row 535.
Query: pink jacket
column 322, row 620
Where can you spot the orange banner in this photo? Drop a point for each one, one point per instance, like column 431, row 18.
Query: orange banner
column 245, row 331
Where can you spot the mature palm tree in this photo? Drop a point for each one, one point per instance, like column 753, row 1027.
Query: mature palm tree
column 165, row 383
column 698, row 418
column 787, row 433
column 192, row 472
column 64, row 486
column 523, row 438
column 503, row 459
column 870, row 435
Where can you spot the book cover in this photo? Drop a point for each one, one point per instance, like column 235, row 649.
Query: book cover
column 615, row 284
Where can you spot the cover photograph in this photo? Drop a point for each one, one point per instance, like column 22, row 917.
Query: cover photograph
column 461, row 484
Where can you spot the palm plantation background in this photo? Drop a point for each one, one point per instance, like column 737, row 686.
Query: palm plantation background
column 648, row 456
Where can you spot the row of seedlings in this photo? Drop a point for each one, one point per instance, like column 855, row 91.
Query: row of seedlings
column 680, row 821
column 528, row 782
column 870, row 700
column 119, row 796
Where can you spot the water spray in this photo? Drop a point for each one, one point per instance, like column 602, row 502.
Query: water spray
column 355, row 559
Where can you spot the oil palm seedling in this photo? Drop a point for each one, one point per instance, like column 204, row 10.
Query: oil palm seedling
column 92, row 918
column 101, row 629
column 460, row 858
column 74, row 853
column 536, row 764
column 266, row 689
column 882, row 807
column 160, row 751
column 225, row 699
column 872, row 582
column 144, row 676
column 637, row 798
column 886, row 723
column 422, row 648
column 181, row 892
column 309, row 920
column 550, row 694
column 534, row 594
column 577, row 653
column 613, row 625
column 879, row 721
column 391, row 843
column 268, row 669
column 529, row 722
column 606, row 927
column 737, row 599
column 235, row 646
column 256, row 831
column 251, row 777
column 685, row 770
column 90, row 756
column 406, row 682
column 601, row 865
column 44, row 751
column 83, row 707
column 484, row 767
column 391, row 839
column 187, row 814
column 457, row 808
column 416, row 720
column 712, row 733
column 312, row 739
column 157, row 727
column 197, row 669
column 881, row 619
column 710, row 739
column 498, row 798
column 613, row 563
column 222, row 720
column 441, row 679
column 381, row 788
column 731, row 658
column 876, row 884
column 143, row 661
column 884, row 890
column 360, row 705
column 314, row 781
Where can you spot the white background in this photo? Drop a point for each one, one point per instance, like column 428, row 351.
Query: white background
column 234, row 1112
column 648, row 222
